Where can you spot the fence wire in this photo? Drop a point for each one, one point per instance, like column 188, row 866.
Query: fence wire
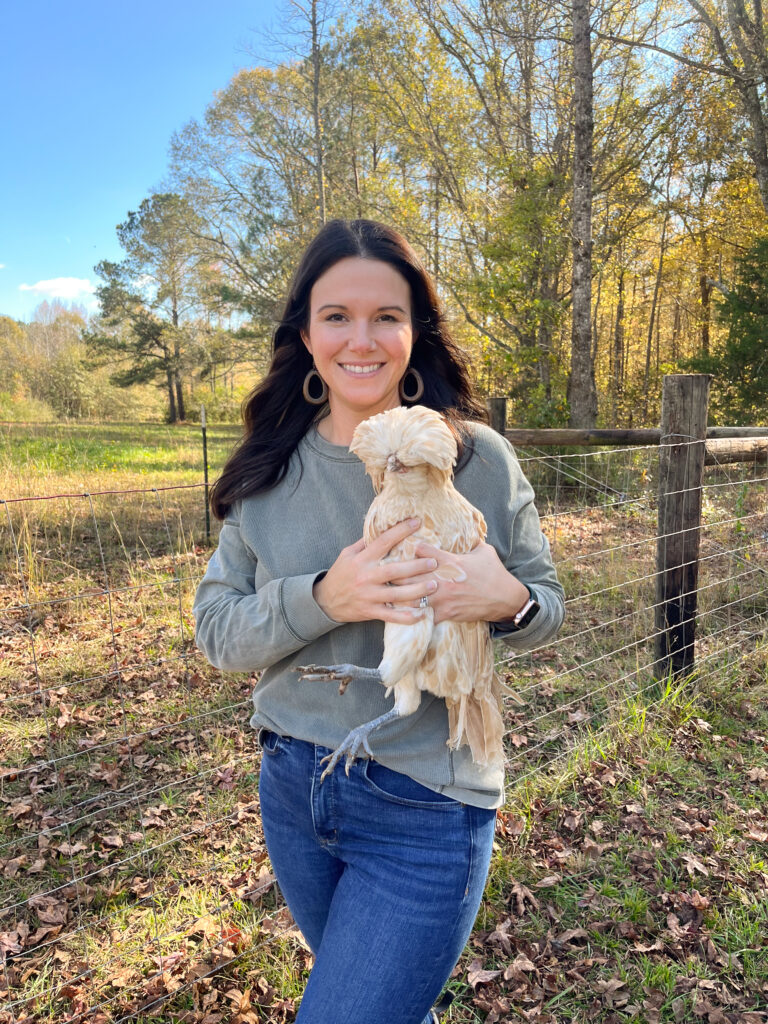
column 132, row 864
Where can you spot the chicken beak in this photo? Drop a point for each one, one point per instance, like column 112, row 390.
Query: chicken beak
column 394, row 465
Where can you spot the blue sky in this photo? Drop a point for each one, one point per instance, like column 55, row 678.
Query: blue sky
column 90, row 93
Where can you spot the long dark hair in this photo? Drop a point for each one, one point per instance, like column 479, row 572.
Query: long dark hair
column 275, row 414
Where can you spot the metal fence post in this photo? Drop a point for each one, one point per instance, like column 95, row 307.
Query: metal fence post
column 684, row 405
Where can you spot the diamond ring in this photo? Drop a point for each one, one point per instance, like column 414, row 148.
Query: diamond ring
column 424, row 602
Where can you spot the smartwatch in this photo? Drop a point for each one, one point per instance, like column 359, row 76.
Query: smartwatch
column 521, row 619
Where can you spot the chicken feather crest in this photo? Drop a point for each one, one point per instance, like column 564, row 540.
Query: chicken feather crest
column 409, row 453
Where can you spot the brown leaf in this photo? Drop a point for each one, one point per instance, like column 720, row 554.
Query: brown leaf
column 9, row 943
column 476, row 975
column 548, row 882
column 49, row 910
column 12, row 866
column 66, row 716
column 521, row 895
column 519, row 966
column 656, row 946
column 759, row 835
column 67, row 849
column 572, row 934
column 112, row 840
column 19, row 808
column 124, row 978
column 679, row 1008
column 49, row 931
column 591, row 848
column 579, row 715
column 693, row 864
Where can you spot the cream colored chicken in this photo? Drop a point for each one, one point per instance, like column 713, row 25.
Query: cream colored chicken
column 409, row 454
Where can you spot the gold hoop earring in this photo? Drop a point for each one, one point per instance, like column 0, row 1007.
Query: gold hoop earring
column 308, row 381
column 418, row 390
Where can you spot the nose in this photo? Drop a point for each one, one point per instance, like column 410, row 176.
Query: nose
column 360, row 337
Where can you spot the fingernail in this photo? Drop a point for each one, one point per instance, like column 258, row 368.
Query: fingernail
column 414, row 522
column 432, row 585
column 432, row 563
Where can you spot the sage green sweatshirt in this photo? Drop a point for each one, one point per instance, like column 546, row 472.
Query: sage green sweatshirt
column 254, row 608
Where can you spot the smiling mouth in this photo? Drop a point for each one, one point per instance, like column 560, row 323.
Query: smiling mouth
column 361, row 371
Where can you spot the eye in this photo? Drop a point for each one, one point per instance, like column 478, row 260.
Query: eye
column 388, row 316
column 332, row 316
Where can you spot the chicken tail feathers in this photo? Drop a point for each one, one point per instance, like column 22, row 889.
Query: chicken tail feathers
column 475, row 720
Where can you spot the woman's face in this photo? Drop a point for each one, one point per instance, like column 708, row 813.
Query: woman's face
column 360, row 336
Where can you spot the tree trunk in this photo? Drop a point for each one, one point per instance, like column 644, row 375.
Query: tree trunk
column 677, row 325
column 652, row 319
column 618, row 344
column 544, row 334
column 582, row 393
column 319, row 148
column 172, row 414
column 705, row 291
column 179, row 395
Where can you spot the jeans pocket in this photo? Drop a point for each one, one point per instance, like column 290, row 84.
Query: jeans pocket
column 402, row 789
column 272, row 743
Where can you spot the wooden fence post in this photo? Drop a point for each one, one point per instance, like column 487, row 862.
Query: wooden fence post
column 684, row 405
column 497, row 411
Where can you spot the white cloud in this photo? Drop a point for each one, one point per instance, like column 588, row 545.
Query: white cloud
column 61, row 288
column 2, row 266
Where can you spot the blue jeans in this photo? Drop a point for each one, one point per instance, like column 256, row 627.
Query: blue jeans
column 383, row 877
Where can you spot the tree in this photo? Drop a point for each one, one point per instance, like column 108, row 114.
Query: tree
column 148, row 301
column 582, row 393
column 740, row 364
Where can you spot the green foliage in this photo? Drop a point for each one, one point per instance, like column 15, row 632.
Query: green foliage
column 222, row 405
column 15, row 409
column 740, row 365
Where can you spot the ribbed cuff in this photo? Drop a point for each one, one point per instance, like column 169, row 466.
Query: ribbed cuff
column 541, row 628
column 302, row 615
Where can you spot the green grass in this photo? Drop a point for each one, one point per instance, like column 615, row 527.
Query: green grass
column 54, row 457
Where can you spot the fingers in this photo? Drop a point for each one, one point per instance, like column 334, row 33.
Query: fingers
column 424, row 550
column 389, row 538
column 400, row 572
column 404, row 594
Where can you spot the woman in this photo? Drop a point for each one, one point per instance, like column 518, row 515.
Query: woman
column 383, row 869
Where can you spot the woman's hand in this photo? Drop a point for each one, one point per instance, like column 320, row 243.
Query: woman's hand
column 357, row 586
column 473, row 587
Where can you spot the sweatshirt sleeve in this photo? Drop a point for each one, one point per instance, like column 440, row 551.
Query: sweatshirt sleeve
column 241, row 629
column 514, row 524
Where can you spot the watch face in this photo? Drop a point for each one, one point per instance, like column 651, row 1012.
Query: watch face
column 528, row 614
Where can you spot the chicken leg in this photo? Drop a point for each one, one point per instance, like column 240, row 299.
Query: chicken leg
column 404, row 648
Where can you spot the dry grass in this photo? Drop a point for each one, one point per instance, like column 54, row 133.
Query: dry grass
column 131, row 859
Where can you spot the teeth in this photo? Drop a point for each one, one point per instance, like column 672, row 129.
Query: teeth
column 371, row 368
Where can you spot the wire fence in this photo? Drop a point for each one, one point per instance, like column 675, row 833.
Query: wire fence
column 131, row 858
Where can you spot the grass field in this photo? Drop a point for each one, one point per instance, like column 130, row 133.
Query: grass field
column 630, row 873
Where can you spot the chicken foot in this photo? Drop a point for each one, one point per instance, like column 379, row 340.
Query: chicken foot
column 343, row 674
column 355, row 741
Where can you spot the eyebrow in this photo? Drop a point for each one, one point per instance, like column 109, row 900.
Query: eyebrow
column 338, row 305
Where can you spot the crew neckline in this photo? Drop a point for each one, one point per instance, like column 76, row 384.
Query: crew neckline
column 337, row 452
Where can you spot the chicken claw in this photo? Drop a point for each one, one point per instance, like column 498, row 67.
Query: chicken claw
column 343, row 674
column 355, row 741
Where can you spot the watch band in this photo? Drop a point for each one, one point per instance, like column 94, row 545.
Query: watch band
column 521, row 618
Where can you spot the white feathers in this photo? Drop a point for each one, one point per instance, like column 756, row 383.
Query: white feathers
column 409, row 454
